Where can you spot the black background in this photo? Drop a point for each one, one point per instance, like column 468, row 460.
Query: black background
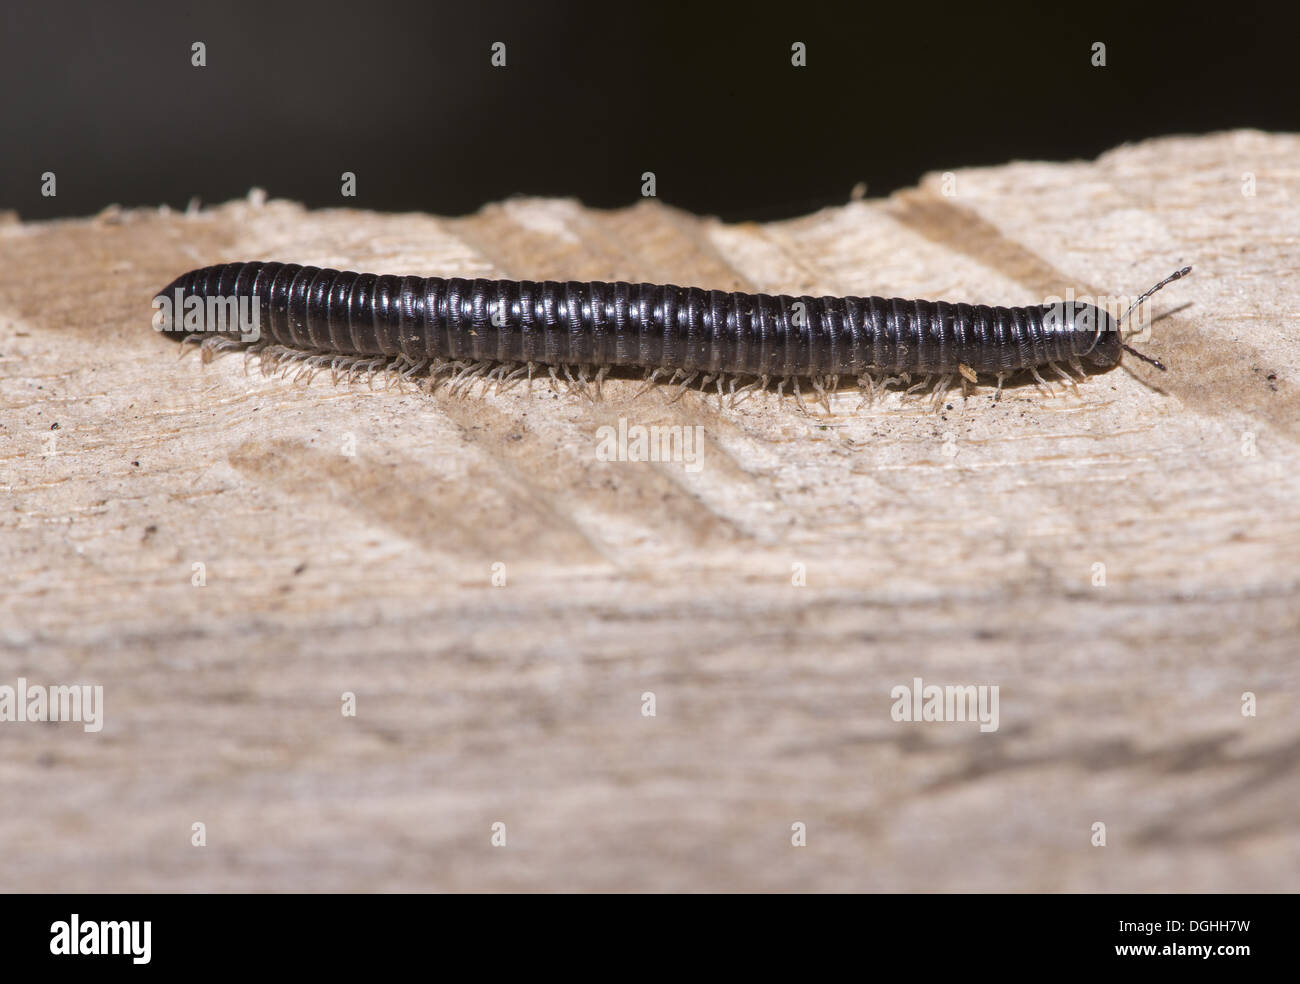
column 403, row 95
column 895, row 937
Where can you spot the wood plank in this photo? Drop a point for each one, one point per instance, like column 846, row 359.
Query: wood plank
column 958, row 547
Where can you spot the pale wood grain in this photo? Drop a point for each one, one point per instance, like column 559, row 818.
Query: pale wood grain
column 328, row 573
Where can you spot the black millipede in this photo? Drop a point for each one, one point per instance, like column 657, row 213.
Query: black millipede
column 500, row 329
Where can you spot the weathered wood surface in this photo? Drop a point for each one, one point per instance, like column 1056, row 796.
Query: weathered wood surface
column 371, row 573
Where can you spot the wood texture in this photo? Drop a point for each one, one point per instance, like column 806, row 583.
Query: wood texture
column 958, row 547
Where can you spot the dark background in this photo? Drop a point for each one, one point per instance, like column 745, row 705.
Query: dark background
column 403, row 95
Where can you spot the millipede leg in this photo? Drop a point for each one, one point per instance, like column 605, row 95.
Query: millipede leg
column 1067, row 377
column 704, row 383
column 867, row 387
column 409, row 374
column 266, row 359
column 390, row 371
column 462, row 370
column 318, row 363
column 681, row 391
column 492, row 381
column 887, row 381
column 196, row 340
column 334, row 369
column 373, row 367
column 295, row 368
column 578, row 382
column 1044, row 387
column 508, row 382
column 348, row 366
column 832, row 384
column 282, row 363
column 343, row 365
column 918, row 386
column 820, row 389
column 650, row 377
column 212, row 346
column 757, row 384
column 483, row 371
column 455, row 384
column 437, row 373
column 940, row 388
column 798, row 397
column 205, row 349
column 442, row 374
column 253, row 351
column 672, row 381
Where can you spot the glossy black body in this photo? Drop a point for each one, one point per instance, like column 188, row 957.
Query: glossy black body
column 648, row 325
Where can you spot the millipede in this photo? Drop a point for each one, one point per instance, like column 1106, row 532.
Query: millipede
column 462, row 330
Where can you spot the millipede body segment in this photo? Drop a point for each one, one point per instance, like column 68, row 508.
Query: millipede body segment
column 650, row 326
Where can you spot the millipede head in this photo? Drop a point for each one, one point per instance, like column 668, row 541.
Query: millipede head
column 1095, row 336
column 1100, row 331
column 1086, row 332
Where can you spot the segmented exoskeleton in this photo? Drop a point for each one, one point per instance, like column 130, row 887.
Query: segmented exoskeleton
column 683, row 330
